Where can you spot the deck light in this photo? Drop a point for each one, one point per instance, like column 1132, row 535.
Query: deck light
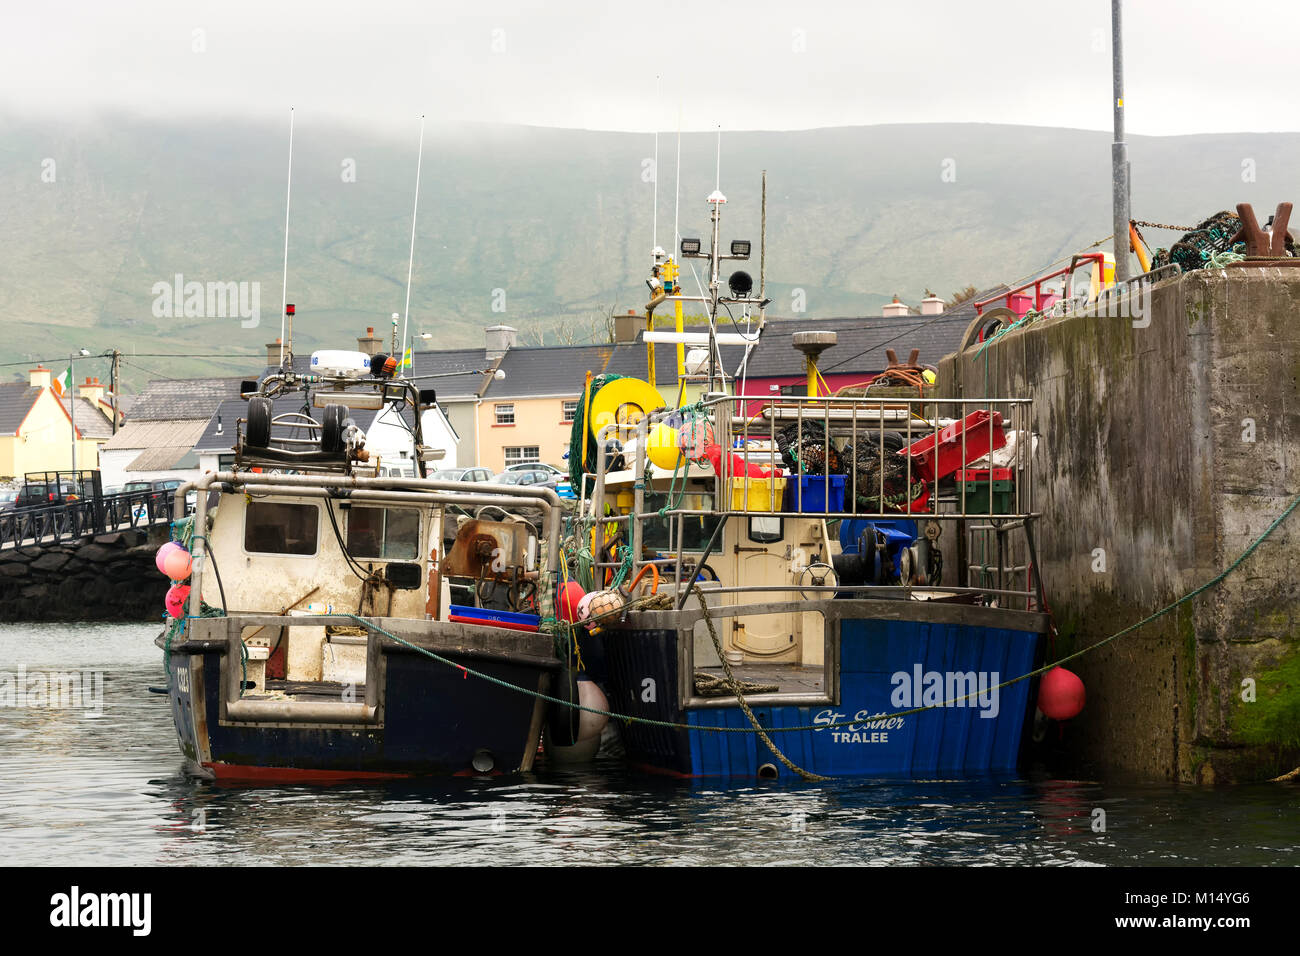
column 690, row 247
column 741, row 284
column 740, row 248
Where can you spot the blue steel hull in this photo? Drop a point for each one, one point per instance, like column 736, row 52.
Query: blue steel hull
column 944, row 741
column 435, row 719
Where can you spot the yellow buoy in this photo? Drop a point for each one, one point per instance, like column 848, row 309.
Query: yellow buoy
column 662, row 447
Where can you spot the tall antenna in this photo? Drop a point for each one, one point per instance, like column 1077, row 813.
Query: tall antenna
column 288, row 192
column 677, row 201
column 655, row 216
column 410, row 265
column 718, row 184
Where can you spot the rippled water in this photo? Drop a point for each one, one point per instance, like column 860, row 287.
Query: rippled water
column 77, row 789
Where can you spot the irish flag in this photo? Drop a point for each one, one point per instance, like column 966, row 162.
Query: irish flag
column 63, row 382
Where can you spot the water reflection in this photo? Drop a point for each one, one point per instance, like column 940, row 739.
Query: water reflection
column 109, row 790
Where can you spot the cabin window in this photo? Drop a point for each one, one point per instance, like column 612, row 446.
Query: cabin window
column 505, row 414
column 390, row 534
column 278, row 527
column 696, row 529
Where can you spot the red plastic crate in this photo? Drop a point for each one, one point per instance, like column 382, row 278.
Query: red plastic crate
column 983, row 474
column 983, row 430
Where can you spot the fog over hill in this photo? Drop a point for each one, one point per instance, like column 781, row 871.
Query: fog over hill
column 543, row 229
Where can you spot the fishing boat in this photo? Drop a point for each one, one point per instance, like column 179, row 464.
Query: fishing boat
column 317, row 639
column 821, row 585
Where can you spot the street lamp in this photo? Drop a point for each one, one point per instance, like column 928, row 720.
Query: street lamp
column 72, row 405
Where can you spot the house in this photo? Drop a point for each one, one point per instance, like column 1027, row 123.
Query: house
column 528, row 415
column 36, row 428
column 157, row 440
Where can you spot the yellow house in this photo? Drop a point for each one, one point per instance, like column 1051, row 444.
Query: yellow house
column 36, row 428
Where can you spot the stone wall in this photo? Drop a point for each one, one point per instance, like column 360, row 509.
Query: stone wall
column 1164, row 450
column 111, row 577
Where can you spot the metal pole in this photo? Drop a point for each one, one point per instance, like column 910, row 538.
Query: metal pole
column 72, row 407
column 1119, row 150
column 113, row 383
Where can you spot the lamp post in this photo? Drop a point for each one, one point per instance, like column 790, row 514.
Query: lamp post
column 1119, row 168
column 72, row 405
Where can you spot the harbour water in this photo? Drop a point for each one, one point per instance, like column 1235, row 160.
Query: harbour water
column 80, row 787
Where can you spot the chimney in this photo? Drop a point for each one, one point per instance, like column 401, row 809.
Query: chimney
column 498, row 340
column 932, row 304
column 370, row 343
column 273, row 353
column 894, row 309
column 91, row 391
column 40, row 377
column 627, row 326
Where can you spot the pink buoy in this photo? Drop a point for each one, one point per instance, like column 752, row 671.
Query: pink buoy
column 1061, row 694
column 161, row 556
column 176, row 565
column 177, row 594
column 570, row 595
column 584, row 606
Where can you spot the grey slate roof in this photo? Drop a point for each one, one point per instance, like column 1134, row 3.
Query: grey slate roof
column 169, row 400
column 861, row 343
column 229, row 412
column 550, row 370
column 16, row 400
column 91, row 422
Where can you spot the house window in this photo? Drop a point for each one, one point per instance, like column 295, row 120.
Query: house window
column 505, row 414
column 523, row 454
column 570, row 410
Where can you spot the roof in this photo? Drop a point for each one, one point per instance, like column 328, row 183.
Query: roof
column 91, row 422
column 229, row 412
column 16, row 400
column 442, row 361
column 175, row 399
column 861, row 342
column 165, row 459
column 629, row 358
column 183, row 432
column 543, row 370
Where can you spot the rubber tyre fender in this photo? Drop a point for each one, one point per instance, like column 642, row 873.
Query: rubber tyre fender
column 331, row 429
column 258, row 432
column 562, row 722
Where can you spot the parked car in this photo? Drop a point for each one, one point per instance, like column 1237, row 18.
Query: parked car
column 161, row 487
column 534, row 477
column 463, row 474
column 7, row 496
column 41, row 494
column 534, row 465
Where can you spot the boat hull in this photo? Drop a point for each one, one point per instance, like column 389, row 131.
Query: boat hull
column 979, row 736
column 435, row 720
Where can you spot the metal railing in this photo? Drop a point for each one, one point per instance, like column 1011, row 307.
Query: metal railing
column 80, row 518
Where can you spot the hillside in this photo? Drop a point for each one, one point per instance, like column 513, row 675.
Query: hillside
column 558, row 219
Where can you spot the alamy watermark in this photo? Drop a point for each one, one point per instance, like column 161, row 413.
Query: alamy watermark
column 208, row 300
column 946, row 689
column 55, row 690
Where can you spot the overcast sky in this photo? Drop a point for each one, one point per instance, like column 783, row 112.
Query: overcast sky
column 1192, row 65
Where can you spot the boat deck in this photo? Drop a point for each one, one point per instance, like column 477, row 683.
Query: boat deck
column 774, row 678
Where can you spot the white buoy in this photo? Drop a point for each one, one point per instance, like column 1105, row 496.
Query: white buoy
column 590, row 727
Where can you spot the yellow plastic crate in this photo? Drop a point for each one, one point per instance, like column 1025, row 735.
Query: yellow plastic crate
column 757, row 494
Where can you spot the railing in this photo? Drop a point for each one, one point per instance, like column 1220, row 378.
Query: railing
column 82, row 517
column 881, row 482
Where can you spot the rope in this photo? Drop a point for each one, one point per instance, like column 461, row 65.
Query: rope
column 662, row 600
column 740, row 696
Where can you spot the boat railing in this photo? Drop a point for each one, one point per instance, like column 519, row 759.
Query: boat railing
column 966, row 463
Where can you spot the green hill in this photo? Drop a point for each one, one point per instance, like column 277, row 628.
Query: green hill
column 558, row 219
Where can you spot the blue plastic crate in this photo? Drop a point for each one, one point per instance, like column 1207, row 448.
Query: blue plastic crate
column 809, row 494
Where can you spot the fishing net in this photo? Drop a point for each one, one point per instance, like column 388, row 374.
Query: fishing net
column 1197, row 248
column 865, row 464
column 806, row 450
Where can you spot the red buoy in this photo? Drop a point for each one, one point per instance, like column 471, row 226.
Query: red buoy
column 1061, row 694
column 570, row 594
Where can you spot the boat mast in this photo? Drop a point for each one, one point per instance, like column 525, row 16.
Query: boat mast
column 284, row 291
column 410, row 263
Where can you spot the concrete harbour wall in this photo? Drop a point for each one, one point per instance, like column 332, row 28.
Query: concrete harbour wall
column 1164, row 450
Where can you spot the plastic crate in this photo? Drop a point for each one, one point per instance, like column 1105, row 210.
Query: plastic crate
column 979, row 484
column 757, row 494
column 809, row 494
column 983, row 431
column 511, row 620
